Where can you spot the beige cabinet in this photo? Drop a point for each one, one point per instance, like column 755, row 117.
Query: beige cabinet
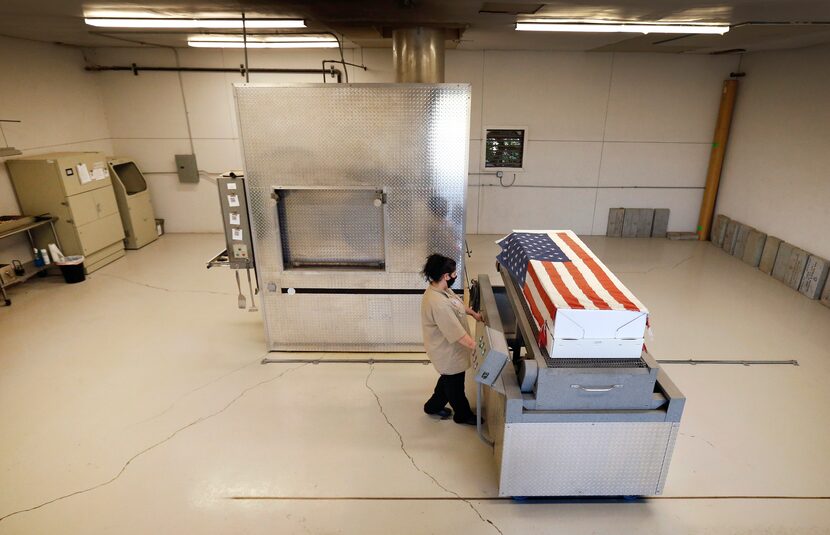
column 137, row 215
column 77, row 189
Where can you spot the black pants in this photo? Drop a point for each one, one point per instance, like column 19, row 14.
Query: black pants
column 450, row 388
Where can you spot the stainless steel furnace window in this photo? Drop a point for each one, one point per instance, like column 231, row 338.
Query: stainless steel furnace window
column 325, row 228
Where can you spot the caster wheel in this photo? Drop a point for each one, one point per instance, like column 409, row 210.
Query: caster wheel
column 520, row 499
column 8, row 302
column 631, row 498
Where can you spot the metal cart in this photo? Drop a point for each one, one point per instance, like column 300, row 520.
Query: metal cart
column 30, row 269
column 568, row 427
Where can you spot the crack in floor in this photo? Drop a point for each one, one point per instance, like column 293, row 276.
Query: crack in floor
column 162, row 288
column 170, row 407
column 154, row 446
column 699, row 438
column 412, row 459
column 656, row 268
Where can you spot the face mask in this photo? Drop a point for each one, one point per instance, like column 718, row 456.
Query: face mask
column 451, row 281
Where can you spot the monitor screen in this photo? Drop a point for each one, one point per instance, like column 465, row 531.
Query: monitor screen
column 131, row 177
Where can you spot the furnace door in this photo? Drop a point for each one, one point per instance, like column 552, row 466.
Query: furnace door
column 332, row 228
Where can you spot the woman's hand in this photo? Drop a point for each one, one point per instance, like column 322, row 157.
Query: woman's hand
column 474, row 314
column 467, row 341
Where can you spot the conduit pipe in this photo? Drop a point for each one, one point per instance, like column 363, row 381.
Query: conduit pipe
column 241, row 70
column 713, row 174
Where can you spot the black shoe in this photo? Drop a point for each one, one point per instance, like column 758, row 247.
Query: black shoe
column 470, row 420
column 443, row 414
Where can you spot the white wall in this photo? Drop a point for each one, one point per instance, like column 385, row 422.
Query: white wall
column 60, row 107
column 604, row 130
column 777, row 171
column 147, row 121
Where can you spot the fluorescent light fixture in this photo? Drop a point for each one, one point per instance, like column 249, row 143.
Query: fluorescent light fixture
column 252, row 43
column 158, row 22
column 284, row 38
column 596, row 26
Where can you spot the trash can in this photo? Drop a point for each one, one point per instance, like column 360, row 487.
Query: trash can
column 72, row 269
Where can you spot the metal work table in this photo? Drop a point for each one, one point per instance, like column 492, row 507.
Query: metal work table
column 31, row 270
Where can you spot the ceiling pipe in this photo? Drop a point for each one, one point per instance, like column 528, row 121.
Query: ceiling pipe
column 418, row 55
column 135, row 69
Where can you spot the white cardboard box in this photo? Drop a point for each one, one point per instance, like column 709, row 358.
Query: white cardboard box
column 596, row 334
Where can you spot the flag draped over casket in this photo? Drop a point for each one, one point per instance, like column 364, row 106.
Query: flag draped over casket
column 579, row 306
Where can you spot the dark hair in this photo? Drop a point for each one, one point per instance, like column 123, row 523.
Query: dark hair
column 436, row 266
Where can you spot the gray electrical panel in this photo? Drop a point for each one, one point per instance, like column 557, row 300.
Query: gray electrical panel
column 490, row 354
column 234, row 203
column 187, row 169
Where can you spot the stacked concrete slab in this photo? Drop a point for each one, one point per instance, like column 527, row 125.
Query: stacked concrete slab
column 789, row 265
column 741, row 237
column 729, row 236
column 660, row 227
column 638, row 222
column 719, row 229
column 615, row 222
column 754, row 247
column 769, row 254
column 815, row 276
column 797, row 268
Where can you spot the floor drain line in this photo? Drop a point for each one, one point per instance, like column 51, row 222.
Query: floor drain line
column 742, row 362
column 692, row 362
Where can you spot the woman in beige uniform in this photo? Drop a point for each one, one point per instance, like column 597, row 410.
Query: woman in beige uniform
column 447, row 340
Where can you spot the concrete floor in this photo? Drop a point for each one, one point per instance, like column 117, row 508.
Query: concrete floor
column 135, row 403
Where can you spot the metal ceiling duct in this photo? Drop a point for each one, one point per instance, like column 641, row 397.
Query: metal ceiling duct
column 418, row 55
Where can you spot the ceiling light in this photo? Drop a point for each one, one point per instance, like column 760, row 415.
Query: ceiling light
column 238, row 43
column 294, row 37
column 194, row 23
column 552, row 25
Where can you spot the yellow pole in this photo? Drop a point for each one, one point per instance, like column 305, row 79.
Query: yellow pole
column 710, row 193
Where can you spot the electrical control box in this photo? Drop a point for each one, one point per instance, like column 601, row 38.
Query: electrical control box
column 234, row 203
column 490, row 354
column 187, row 168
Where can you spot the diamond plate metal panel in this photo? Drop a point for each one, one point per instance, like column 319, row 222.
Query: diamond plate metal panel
column 411, row 141
column 307, row 319
column 331, row 227
column 585, row 459
column 675, row 430
column 494, row 414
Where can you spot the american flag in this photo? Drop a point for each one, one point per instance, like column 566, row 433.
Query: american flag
column 555, row 270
